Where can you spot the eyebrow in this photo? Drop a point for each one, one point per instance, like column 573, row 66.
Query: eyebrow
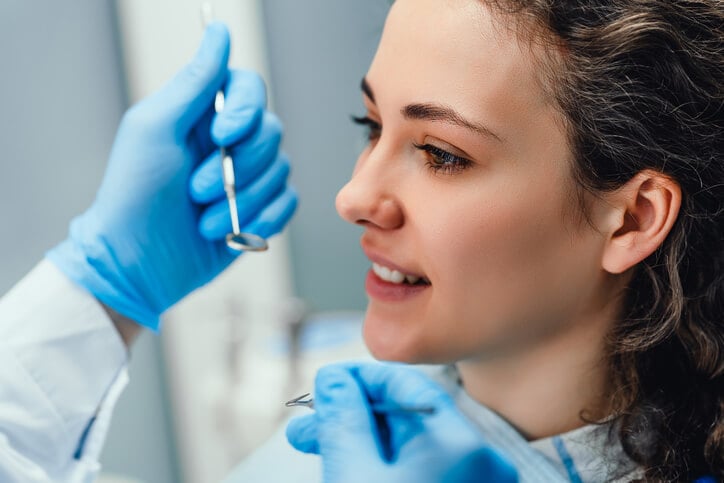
column 365, row 86
column 434, row 112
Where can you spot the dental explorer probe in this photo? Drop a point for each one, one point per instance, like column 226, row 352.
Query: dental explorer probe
column 236, row 240
column 378, row 408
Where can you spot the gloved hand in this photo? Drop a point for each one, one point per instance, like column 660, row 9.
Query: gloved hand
column 155, row 230
column 359, row 446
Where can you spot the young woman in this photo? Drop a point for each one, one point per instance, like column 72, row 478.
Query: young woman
column 543, row 204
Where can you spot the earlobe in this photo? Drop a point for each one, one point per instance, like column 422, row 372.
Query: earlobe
column 643, row 212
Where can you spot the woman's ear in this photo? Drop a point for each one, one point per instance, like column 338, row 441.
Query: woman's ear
column 644, row 210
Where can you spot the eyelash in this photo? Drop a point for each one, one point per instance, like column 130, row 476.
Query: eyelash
column 440, row 161
column 373, row 128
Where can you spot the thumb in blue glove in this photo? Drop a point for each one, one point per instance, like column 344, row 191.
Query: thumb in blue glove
column 357, row 445
column 154, row 232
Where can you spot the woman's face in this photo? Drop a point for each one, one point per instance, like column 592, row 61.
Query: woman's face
column 465, row 187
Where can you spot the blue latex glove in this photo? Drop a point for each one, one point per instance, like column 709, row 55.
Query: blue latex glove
column 359, row 446
column 155, row 230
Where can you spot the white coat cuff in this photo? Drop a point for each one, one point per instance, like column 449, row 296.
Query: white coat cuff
column 68, row 369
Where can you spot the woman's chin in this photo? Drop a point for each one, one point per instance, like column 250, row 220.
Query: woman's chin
column 387, row 342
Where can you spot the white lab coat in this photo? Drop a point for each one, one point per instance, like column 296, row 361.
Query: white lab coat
column 62, row 368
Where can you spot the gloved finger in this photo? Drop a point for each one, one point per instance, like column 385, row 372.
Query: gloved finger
column 346, row 425
column 402, row 385
column 302, row 434
column 244, row 104
column 186, row 97
column 275, row 216
column 215, row 221
column 482, row 462
column 251, row 158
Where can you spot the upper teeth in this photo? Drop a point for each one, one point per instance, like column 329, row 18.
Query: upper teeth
column 393, row 276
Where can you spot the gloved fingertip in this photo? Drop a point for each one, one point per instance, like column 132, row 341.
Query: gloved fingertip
column 190, row 93
column 216, row 34
column 301, row 433
column 275, row 218
column 212, row 56
column 290, row 203
column 231, row 126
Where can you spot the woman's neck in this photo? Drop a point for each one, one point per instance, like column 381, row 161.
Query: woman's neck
column 556, row 385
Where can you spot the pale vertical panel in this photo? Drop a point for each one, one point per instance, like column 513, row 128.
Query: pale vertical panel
column 159, row 37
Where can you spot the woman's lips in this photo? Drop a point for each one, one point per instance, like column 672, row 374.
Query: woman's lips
column 383, row 290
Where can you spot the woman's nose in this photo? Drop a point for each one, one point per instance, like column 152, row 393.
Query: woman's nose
column 369, row 199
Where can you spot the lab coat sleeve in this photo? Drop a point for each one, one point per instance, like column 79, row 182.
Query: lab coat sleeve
column 62, row 368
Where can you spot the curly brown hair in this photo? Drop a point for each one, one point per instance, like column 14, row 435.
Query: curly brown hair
column 639, row 84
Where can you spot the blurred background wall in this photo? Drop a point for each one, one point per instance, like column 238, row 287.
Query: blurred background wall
column 62, row 94
column 63, row 89
column 319, row 50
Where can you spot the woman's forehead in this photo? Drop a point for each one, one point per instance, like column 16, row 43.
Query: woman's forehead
column 457, row 53
column 461, row 38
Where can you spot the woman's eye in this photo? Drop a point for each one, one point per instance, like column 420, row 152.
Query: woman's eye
column 442, row 161
column 373, row 128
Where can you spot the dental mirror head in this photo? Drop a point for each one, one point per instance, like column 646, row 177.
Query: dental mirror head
column 246, row 242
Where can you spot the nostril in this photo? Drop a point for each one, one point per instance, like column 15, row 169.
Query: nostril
column 389, row 214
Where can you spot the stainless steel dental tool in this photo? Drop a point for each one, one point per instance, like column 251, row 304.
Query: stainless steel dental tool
column 380, row 408
column 236, row 240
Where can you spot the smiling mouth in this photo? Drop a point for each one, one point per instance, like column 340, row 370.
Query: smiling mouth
column 396, row 277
